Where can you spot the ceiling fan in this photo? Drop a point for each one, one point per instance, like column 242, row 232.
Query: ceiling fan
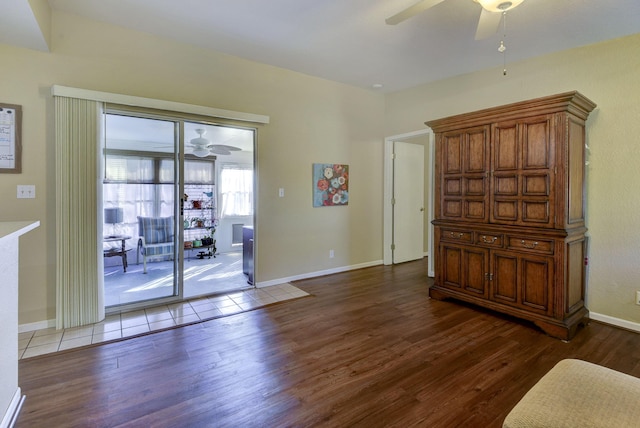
column 492, row 11
column 203, row 147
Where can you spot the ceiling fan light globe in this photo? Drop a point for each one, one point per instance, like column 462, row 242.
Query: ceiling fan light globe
column 499, row 5
column 200, row 152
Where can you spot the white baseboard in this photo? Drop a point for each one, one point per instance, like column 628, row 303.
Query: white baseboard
column 628, row 325
column 11, row 416
column 317, row 273
column 22, row 328
column 40, row 325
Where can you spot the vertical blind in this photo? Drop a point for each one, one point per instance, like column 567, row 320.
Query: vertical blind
column 79, row 287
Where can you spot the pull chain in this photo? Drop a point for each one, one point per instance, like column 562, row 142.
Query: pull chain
column 502, row 48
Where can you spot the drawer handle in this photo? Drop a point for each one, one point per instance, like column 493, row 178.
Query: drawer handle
column 457, row 235
column 531, row 246
column 489, row 241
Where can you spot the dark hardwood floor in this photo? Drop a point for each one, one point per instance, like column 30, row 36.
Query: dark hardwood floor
column 368, row 349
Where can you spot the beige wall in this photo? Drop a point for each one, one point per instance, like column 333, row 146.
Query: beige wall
column 606, row 73
column 312, row 120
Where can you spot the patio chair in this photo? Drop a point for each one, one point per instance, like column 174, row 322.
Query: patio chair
column 156, row 238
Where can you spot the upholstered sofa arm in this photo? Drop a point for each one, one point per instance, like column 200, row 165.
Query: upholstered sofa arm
column 576, row 393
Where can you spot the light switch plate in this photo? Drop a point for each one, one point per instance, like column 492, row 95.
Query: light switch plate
column 26, row 191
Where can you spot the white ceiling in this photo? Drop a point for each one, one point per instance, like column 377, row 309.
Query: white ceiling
column 347, row 40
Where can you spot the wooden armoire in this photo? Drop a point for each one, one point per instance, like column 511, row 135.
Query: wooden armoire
column 510, row 210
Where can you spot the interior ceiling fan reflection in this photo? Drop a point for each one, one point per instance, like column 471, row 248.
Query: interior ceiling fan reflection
column 203, row 147
column 488, row 24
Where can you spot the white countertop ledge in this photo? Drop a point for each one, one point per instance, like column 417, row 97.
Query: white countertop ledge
column 10, row 229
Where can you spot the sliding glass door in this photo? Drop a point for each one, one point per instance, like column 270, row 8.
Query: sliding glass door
column 140, row 209
column 177, row 196
column 215, row 212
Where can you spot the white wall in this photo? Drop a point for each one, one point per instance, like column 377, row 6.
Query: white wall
column 10, row 393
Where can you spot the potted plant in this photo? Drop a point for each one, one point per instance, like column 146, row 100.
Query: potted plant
column 197, row 222
column 208, row 238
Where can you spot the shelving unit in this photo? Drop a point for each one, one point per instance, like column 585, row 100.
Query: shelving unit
column 199, row 214
column 199, row 210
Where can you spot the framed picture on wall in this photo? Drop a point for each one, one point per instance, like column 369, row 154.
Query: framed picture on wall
column 10, row 138
column 330, row 184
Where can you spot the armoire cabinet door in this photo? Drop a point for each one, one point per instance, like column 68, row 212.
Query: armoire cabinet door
column 522, row 280
column 464, row 186
column 464, row 269
column 523, row 172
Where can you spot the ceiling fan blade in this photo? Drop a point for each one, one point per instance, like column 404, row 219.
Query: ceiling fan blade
column 225, row 147
column 412, row 11
column 488, row 24
column 219, row 151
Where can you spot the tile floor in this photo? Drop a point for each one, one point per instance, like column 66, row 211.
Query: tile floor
column 128, row 324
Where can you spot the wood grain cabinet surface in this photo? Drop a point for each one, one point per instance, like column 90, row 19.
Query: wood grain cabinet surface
column 510, row 210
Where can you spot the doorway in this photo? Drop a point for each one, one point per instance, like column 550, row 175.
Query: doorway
column 425, row 139
column 175, row 212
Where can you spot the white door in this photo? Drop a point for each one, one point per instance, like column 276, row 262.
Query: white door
column 408, row 206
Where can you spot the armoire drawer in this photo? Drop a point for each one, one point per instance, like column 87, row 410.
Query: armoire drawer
column 453, row 235
column 489, row 239
column 522, row 243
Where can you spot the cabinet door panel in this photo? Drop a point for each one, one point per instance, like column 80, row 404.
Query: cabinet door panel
column 452, row 186
column 506, row 211
column 474, row 269
column 505, row 147
column 464, row 269
column 575, row 269
column 475, row 186
column 535, row 185
column 452, row 208
column 576, row 173
column 535, row 212
column 451, row 266
column 475, row 210
column 452, row 154
column 505, row 279
column 475, row 157
column 506, row 185
column 535, row 277
column 536, row 144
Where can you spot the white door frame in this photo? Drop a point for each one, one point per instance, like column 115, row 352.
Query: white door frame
column 388, row 194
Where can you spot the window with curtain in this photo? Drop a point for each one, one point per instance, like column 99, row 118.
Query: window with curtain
column 236, row 190
column 134, row 183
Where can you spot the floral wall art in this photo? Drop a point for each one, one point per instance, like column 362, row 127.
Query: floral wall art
column 330, row 184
